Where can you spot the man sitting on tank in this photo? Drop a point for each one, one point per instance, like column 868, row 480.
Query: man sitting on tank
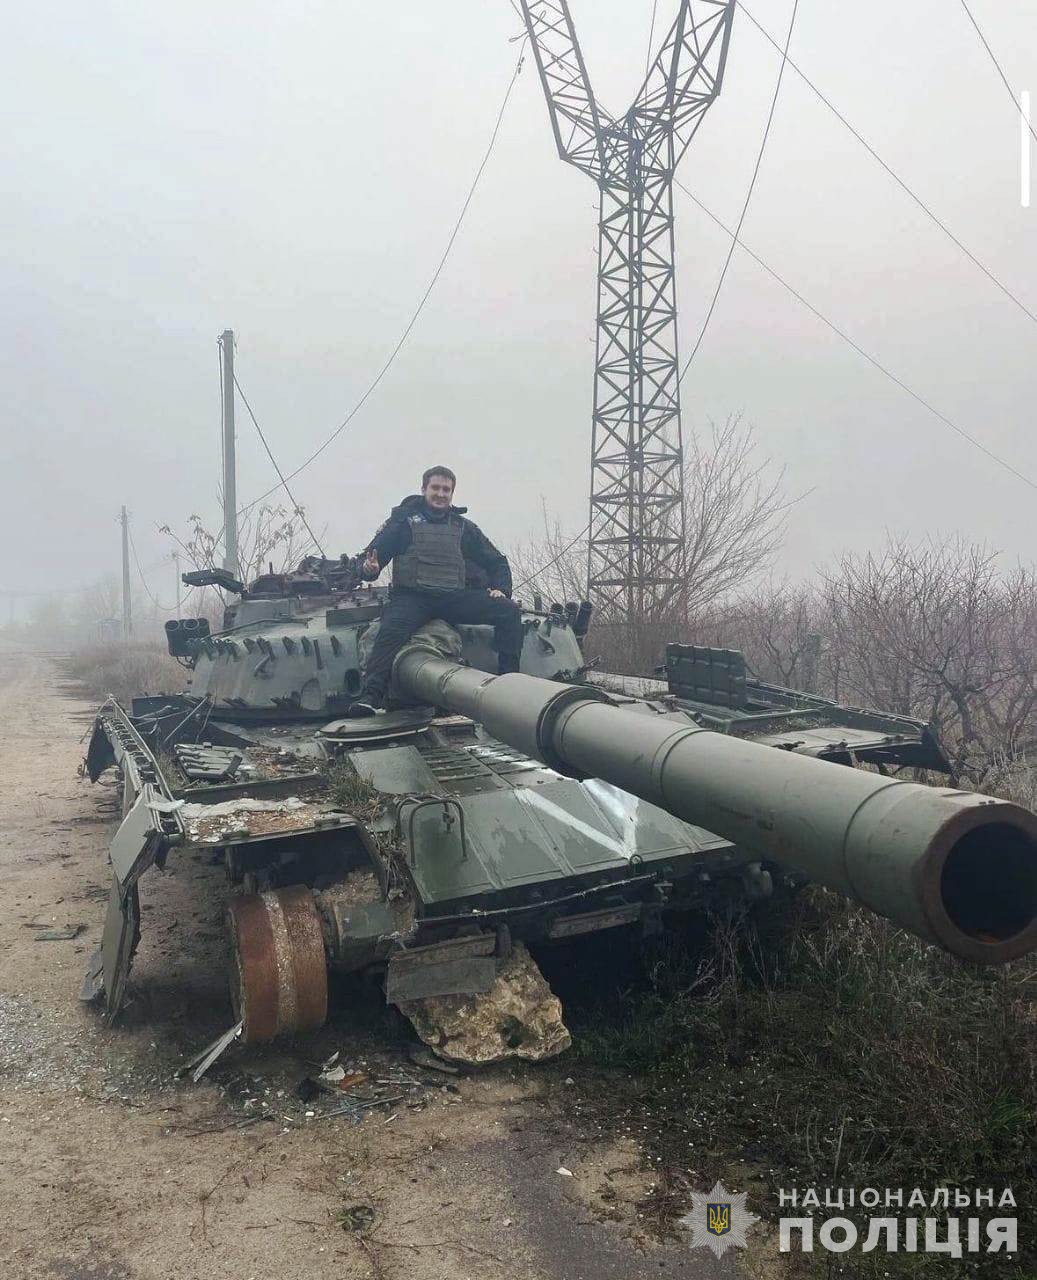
column 432, row 547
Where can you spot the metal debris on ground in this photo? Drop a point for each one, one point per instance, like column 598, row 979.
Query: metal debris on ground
column 422, row 1057
column 334, row 1080
column 197, row 1066
column 62, row 934
column 357, row 1089
column 355, row 1108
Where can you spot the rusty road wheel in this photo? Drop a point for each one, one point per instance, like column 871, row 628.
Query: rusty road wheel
column 278, row 970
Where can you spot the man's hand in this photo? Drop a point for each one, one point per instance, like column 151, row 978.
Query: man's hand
column 497, row 595
column 371, row 567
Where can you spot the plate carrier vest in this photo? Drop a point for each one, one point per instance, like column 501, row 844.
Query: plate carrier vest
column 433, row 561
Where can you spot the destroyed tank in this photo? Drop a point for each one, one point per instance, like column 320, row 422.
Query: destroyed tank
column 484, row 814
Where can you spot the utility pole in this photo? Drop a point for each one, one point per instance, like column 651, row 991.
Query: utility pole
column 176, row 566
column 636, row 541
column 127, row 614
column 230, row 485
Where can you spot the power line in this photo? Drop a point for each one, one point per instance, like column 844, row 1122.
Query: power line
column 872, row 360
column 421, row 302
column 651, row 41
column 163, row 608
column 997, row 65
column 748, row 194
column 273, row 461
column 894, row 175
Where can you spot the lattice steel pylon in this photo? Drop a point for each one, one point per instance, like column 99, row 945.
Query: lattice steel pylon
column 636, row 531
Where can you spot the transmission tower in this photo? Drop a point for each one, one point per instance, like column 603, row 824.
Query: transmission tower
column 636, row 506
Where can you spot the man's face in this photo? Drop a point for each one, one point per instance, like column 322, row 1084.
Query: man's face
column 439, row 492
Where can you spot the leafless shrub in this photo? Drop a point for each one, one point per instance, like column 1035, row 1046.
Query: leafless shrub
column 780, row 628
column 932, row 630
column 735, row 515
column 125, row 670
column 935, row 630
column 550, row 564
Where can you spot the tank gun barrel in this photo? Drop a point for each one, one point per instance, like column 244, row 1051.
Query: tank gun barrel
column 955, row 868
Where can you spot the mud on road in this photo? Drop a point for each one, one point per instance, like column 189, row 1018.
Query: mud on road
column 111, row 1169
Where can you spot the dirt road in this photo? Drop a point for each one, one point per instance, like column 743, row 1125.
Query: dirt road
column 111, row 1169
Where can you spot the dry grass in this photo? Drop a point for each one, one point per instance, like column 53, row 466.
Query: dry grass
column 1012, row 778
column 829, row 1048
column 125, row 670
column 355, row 794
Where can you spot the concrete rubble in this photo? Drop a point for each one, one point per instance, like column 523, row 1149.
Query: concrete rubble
column 518, row 1018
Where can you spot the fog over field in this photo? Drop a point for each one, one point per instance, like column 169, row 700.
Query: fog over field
column 293, row 172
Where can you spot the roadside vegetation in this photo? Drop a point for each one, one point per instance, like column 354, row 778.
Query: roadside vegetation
column 125, row 670
column 821, row 1046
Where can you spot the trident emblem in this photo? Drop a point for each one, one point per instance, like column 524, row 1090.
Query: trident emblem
column 718, row 1219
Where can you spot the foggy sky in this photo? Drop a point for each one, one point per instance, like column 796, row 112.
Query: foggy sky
column 293, row 171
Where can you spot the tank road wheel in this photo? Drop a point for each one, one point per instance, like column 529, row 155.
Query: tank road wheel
column 278, row 970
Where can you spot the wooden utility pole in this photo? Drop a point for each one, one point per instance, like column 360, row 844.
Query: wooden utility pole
column 230, row 486
column 127, row 612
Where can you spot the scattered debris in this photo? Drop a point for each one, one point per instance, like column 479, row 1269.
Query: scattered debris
column 307, row 1089
column 349, row 1080
column 422, row 1057
column 566, row 1173
column 335, row 1080
column 201, row 1062
column 355, row 1109
column 518, row 1017
column 61, row 934
column 211, row 823
column 356, row 1217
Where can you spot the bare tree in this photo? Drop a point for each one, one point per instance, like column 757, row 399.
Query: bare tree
column 551, row 564
column 779, row 627
column 268, row 537
column 99, row 605
column 934, row 630
column 735, row 514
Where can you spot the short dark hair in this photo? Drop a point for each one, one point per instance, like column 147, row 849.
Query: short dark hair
column 438, row 471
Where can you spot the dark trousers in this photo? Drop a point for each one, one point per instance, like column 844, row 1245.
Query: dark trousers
column 408, row 610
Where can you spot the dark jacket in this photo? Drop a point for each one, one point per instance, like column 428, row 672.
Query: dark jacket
column 394, row 537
